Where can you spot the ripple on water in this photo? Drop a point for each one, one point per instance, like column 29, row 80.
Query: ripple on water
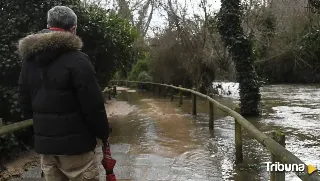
column 304, row 120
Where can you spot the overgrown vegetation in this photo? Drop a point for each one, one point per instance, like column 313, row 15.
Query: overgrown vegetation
column 280, row 31
column 277, row 30
column 140, row 69
column 192, row 46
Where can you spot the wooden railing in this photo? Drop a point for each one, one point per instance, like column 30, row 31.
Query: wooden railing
column 275, row 145
column 11, row 128
column 278, row 151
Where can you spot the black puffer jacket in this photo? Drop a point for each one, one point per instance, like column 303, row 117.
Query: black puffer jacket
column 58, row 89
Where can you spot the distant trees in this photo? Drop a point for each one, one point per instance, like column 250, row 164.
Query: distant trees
column 285, row 39
column 183, row 52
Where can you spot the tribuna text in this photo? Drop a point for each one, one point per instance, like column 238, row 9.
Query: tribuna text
column 279, row 167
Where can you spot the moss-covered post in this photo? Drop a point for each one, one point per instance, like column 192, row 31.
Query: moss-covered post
column 180, row 96
column 211, row 116
column 238, row 141
column 172, row 94
column 194, row 103
column 280, row 138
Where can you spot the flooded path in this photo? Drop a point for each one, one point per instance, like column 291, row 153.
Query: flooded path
column 159, row 131
column 155, row 140
column 163, row 142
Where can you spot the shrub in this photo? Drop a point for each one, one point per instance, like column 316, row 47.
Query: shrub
column 141, row 66
column 107, row 40
column 144, row 77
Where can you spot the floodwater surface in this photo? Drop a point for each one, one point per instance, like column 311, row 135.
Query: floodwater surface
column 165, row 140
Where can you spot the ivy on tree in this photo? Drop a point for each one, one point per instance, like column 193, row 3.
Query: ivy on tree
column 232, row 34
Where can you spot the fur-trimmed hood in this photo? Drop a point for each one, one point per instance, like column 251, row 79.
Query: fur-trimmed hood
column 53, row 42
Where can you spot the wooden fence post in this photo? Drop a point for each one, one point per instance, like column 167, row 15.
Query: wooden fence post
column 180, row 96
column 157, row 90
column 277, row 176
column 109, row 92
column 149, row 87
column 238, row 141
column 114, row 90
column 211, row 116
column 194, row 103
column 153, row 87
column 172, row 92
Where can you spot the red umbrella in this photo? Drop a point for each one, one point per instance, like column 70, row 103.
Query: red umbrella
column 108, row 162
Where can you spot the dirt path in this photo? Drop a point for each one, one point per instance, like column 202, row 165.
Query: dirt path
column 15, row 168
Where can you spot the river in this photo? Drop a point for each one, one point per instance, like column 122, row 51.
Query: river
column 160, row 130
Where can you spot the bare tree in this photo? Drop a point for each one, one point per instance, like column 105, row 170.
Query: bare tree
column 188, row 39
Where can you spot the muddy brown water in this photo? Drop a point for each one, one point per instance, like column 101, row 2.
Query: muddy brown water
column 161, row 128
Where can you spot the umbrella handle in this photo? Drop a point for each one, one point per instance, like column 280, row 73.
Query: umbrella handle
column 105, row 145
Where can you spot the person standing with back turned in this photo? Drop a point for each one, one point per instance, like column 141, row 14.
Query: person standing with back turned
column 59, row 90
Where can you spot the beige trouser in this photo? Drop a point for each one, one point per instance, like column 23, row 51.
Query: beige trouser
column 82, row 167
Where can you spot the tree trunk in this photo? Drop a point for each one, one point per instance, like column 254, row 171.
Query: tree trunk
column 239, row 45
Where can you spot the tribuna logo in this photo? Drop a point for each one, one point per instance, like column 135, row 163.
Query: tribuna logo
column 280, row 167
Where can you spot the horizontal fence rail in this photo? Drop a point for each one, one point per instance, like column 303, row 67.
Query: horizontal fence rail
column 15, row 127
column 11, row 128
column 273, row 146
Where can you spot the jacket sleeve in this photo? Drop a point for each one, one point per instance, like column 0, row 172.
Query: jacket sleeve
column 90, row 97
column 24, row 99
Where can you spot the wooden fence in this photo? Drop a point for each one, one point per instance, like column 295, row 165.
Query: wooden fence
column 275, row 145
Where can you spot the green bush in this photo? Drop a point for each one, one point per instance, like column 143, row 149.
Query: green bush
column 144, row 77
column 310, row 45
column 107, row 38
column 141, row 66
